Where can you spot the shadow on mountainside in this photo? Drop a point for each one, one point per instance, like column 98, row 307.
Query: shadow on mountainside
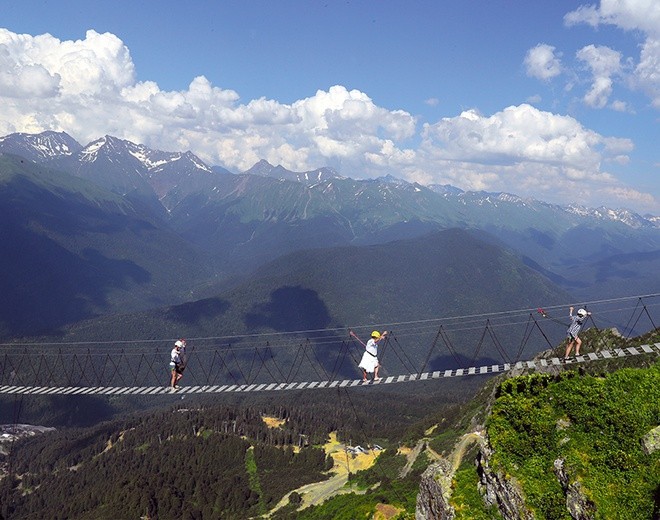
column 290, row 309
column 296, row 309
column 191, row 313
column 46, row 286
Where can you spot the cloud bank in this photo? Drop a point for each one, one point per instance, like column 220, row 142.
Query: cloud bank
column 641, row 16
column 89, row 88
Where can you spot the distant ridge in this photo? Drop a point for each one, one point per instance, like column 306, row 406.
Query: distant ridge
column 49, row 145
column 218, row 227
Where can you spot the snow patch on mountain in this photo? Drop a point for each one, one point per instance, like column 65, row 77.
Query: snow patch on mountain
column 39, row 147
column 169, row 170
column 90, row 152
column 625, row 216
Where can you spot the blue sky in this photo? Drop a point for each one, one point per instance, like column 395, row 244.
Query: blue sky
column 553, row 100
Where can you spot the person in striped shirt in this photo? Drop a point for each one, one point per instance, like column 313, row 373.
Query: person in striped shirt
column 577, row 321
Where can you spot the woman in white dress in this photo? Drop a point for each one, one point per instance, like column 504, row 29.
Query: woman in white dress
column 369, row 363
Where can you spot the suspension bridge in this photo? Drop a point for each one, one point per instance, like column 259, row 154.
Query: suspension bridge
column 304, row 360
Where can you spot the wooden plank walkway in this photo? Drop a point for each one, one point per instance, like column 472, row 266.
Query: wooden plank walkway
column 314, row 385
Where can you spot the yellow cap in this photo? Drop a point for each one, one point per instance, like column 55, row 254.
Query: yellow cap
column 375, row 334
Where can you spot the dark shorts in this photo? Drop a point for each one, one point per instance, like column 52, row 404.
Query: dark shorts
column 177, row 368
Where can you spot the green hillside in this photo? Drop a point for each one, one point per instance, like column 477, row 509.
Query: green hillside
column 75, row 251
column 595, row 425
column 316, row 295
column 446, row 273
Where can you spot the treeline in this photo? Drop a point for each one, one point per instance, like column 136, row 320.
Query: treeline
column 202, row 459
column 181, row 464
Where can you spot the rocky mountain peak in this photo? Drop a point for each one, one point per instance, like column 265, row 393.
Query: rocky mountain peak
column 39, row 147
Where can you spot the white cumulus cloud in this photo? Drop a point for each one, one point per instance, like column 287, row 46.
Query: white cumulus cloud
column 89, row 88
column 542, row 62
column 636, row 16
column 647, row 72
column 641, row 15
column 519, row 134
column 604, row 63
column 523, row 150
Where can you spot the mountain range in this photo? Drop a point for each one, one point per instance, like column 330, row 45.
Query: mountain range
column 113, row 241
column 116, row 227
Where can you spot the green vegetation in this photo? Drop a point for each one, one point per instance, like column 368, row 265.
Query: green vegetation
column 380, row 484
column 387, row 467
column 251, row 469
column 466, row 500
column 594, row 424
column 215, row 461
column 342, row 507
column 156, row 466
column 401, row 494
column 225, row 461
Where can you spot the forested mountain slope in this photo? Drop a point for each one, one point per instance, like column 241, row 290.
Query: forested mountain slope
column 317, row 295
column 74, row 250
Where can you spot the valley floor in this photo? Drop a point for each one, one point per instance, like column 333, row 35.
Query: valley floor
column 344, row 463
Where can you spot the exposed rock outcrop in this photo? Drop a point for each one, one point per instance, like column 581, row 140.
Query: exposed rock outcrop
column 434, row 493
column 500, row 490
column 651, row 441
column 578, row 505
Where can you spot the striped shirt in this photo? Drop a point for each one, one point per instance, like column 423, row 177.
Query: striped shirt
column 576, row 325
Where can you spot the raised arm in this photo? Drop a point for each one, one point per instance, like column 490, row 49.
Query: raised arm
column 352, row 334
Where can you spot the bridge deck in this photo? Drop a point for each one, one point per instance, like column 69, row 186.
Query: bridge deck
column 310, row 385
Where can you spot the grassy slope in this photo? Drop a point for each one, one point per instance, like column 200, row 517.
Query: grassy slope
column 594, row 418
column 595, row 424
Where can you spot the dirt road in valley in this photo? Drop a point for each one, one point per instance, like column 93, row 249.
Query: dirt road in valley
column 318, row 492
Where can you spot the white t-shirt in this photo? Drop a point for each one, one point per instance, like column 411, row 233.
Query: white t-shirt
column 369, row 361
column 372, row 347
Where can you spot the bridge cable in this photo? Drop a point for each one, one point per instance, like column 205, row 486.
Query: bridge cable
column 590, row 317
column 265, row 366
column 428, row 356
column 339, row 360
column 525, row 340
column 416, row 322
column 496, row 342
column 229, row 370
column 310, row 347
column 498, row 346
column 450, row 346
column 640, row 315
column 272, row 359
column 410, row 368
column 300, row 354
column 249, row 373
column 233, row 353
